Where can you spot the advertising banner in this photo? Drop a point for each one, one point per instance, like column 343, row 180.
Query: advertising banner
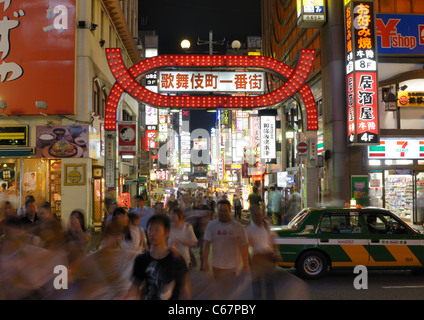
column 62, row 141
column 127, row 138
column 400, row 33
column 37, row 55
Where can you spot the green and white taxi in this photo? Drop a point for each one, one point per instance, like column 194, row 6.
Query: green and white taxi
column 319, row 239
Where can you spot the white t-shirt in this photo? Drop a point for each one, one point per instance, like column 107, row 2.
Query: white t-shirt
column 185, row 233
column 227, row 241
column 259, row 239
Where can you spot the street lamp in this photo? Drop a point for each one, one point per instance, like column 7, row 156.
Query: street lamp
column 185, row 44
column 236, row 45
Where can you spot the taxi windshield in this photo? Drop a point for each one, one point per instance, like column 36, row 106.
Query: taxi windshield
column 298, row 219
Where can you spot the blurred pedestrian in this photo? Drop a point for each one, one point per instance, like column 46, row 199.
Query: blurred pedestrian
column 7, row 211
column 229, row 244
column 105, row 274
column 109, row 205
column 21, row 211
column 275, row 199
column 255, row 197
column 159, row 274
column 49, row 228
column 295, row 202
column 237, row 206
column 171, row 203
column 143, row 211
column 30, row 217
column 25, row 269
column 264, row 256
column 77, row 238
column 181, row 235
column 138, row 236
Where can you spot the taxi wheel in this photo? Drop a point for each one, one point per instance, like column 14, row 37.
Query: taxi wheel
column 312, row 265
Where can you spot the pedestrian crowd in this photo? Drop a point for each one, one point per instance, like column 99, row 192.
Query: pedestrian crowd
column 140, row 254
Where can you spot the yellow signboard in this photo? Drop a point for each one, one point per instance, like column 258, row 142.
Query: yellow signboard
column 410, row 99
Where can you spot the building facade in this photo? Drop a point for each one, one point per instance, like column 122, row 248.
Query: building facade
column 54, row 99
column 387, row 173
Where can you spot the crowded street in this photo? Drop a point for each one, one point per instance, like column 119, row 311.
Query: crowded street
column 212, row 152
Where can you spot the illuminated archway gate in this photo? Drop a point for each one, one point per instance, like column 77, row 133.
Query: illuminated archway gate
column 126, row 81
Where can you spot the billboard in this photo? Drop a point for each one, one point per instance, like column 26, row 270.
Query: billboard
column 400, row 33
column 37, row 55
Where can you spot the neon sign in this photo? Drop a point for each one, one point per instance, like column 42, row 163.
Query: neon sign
column 126, row 82
column 361, row 73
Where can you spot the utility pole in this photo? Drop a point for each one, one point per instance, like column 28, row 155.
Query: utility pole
column 210, row 42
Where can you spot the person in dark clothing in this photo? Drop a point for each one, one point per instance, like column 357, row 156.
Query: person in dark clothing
column 30, row 216
column 255, row 198
column 160, row 274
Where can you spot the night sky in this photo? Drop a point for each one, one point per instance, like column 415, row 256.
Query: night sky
column 175, row 20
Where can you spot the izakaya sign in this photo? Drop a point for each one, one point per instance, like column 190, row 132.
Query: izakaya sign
column 402, row 148
column 361, row 73
column 126, row 81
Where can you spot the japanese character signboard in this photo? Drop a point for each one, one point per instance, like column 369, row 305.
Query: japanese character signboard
column 37, row 38
column 310, row 13
column 170, row 81
column 361, row 73
column 410, row 99
column 268, row 141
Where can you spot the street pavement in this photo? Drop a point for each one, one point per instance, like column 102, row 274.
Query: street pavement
column 337, row 285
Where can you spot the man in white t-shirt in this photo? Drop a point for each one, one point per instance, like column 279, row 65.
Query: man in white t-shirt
column 229, row 244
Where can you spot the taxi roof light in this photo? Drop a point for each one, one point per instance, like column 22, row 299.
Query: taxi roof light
column 353, row 204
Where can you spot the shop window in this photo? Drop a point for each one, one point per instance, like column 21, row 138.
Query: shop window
column 33, row 176
column 8, row 180
column 96, row 97
column 126, row 116
column 103, row 104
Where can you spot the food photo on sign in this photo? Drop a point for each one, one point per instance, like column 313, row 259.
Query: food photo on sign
column 62, row 141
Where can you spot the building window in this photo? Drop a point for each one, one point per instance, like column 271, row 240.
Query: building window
column 126, row 116
column 96, row 97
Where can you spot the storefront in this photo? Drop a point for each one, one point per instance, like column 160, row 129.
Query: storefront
column 396, row 177
column 59, row 169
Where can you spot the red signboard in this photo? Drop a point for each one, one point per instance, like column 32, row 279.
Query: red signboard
column 127, row 138
column 361, row 73
column 351, row 124
column 37, row 55
column 126, row 81
column 366, row 107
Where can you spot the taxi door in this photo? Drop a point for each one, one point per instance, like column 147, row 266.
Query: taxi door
column 392, row 243
column 342, row 237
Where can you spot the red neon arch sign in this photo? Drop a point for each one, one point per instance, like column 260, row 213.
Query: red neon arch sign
column 126, row 82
